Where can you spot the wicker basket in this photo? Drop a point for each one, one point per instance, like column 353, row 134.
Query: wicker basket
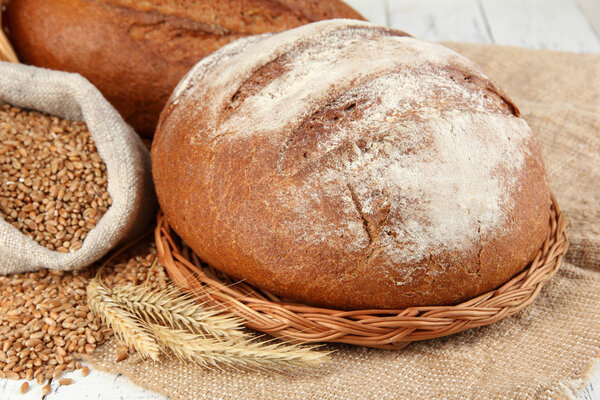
column 6, row 51
column 388, row 329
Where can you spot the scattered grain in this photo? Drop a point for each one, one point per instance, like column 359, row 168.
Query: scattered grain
column 45, row 322
column 85, row 371
column 122, row 355
column 57, row 373
column 24, row 388
column 12, row 375
column 65, row 381
column 53, row 183
column 46, row 390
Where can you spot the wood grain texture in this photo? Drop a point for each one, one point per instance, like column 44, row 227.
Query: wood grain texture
column 96, row 386
column 409, row 15
column 592, row 390
column 541, row 24
column 591, row 9
column 375, row 11
column 454, row 20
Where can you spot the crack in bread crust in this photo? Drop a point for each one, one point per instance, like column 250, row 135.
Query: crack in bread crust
column 408, row 181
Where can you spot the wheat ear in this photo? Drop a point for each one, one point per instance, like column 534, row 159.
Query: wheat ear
column 176, row 310
column 204, row 351
column 125, row 325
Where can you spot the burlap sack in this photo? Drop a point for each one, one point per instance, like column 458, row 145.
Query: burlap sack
column 545, row 352
column 127, row 161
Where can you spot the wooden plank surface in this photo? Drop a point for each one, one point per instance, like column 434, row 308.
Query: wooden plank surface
column 376, row 11
column 455, row 20
column 554, row 24
column 591, row 9
column 96, row 386
column 541, row 24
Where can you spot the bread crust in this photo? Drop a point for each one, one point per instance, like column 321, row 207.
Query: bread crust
column 135, row 52
column 409, row 180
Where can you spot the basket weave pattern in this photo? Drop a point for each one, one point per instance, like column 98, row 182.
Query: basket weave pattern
column 388, row 329
column 6, row 51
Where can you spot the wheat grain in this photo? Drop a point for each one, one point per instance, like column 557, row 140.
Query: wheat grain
column 65, row 382
column 46, row 322
column 122, row 354
column 204, row 351
column 125, row 325
column 202, row 336
column 53, row 181
column 10, row 374
column 171, row 307
column 46, row 389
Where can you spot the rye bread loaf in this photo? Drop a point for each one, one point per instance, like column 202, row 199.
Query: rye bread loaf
column 346, row 165
column 135, row 52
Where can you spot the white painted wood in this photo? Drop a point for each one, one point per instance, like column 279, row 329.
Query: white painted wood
column 437, row 20
column 374, row 11
column 592, row 390
column 554, row 24
column 541, row 24
column 102, row 386
column 591, row 9
column 96, row 386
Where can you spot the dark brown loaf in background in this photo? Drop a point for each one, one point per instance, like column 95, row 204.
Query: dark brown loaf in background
column 345, row 165
column 135, row 52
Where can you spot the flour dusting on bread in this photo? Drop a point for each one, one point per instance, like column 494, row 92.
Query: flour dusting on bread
column 360, row 143
column 446, row 154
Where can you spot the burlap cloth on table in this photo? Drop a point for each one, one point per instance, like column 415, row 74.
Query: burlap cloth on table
column 545, row 352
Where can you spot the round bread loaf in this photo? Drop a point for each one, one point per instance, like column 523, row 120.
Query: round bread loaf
column 135, row 52
column 351, row 166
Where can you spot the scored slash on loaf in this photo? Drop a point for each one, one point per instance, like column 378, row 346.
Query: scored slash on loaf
column 146, row 46
column 346, row 165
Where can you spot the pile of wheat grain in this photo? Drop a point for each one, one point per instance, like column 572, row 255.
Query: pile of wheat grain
column 53, row 188
column 45, row 321
column 53, row 183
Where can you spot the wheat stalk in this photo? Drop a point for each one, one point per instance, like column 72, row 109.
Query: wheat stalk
column 187, row 346
column 152, row 321
column 176, row 310
column 126, row 326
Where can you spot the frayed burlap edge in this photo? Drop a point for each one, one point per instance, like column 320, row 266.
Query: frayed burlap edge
column 547, row 351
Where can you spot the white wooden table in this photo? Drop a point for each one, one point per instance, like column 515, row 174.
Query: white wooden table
column 568, row 25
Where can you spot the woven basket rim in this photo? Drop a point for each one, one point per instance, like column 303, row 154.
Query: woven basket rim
column 387, row 329
column 7, row 53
